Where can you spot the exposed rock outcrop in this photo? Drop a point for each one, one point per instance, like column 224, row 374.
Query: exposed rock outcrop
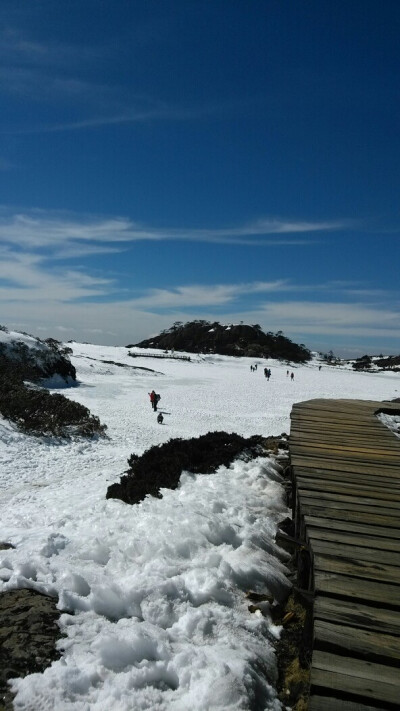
column 28, row 636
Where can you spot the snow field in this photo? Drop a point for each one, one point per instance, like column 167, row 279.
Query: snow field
column 156, row 616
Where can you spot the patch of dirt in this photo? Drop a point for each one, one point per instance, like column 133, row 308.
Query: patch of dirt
column 294, row 650
column 28, row 636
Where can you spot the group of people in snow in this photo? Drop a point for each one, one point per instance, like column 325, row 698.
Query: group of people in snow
column 155, row 397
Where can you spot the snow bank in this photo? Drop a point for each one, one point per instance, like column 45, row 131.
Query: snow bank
column 157, row 590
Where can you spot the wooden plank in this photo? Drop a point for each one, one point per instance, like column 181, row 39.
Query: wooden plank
column 376, row 682
column 365, row 478
column 353, row 527
column 344, row 465
column 362, row 553
column 353, row 539
column 356, row 438
column 341, row 514
column 319, row 494
column 339, row 453
column 347, row 488
column 331, row 703
column 345, row 405
column 359, row 569
column 375, row 646
column 372, row 444
column 344, row 586
column 349, row 478
column 342, row 505
column 356, row 418
column 355, row 614
column 354, row 442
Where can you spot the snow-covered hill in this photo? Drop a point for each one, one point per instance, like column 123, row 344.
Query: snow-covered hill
column 156, row 615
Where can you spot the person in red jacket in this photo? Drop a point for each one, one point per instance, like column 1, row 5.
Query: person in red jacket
column 153, row 400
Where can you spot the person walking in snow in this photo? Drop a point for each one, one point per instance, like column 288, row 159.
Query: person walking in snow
column 160, row 418
column 153, row 400
column 291, row 376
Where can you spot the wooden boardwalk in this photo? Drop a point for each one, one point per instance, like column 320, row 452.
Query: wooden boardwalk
column 346, row 476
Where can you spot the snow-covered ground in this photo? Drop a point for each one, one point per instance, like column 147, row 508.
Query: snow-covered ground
column 160, row 618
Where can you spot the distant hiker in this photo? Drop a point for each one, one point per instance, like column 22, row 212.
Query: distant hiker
column 266, row 372
column 287, row 373
column 160, row 418
column 153, row 399
column 269, row 373
column 291, row 376
column 319, row 367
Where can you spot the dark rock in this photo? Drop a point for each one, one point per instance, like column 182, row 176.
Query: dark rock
column 28, row 636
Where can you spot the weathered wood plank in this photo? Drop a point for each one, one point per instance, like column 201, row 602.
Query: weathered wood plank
column 372, row 445
column 387, row 494
column 352, row 527
column 355, row 677
column 350, row 439
column 341, row 514
column 338, row 453
column 374, row 646
column 354, row 614
column 344, row 465
column 345, row 404
column 366, row 478
column 355, row 481
column 353, row 552
column 322, row 495
column 331, row 703
column 343, row 505
column 359, row 569
column 344, row 586
column 352, row 539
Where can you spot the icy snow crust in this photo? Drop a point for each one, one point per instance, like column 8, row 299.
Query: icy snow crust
column 161, row 621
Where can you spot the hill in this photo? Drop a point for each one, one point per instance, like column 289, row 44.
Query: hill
column 232, row 340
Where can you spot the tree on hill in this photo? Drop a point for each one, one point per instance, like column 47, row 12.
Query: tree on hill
column 201, row 336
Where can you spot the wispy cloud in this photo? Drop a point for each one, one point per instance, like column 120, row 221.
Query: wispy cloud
column 203, row 295
column 25, row 278
column 40, row 229
column 335, row 318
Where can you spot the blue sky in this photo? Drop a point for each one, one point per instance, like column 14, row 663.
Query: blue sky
column 166, row 160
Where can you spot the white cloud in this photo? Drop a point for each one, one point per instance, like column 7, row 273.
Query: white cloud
column 201, row 296
column 38, row 229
